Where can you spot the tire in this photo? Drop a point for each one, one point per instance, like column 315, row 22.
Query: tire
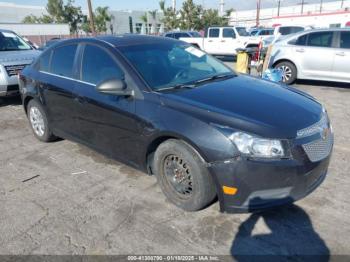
column 38, row 122
column 289, row 72
column 183, row 176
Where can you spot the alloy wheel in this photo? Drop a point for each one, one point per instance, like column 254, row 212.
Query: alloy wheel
column 37, row 121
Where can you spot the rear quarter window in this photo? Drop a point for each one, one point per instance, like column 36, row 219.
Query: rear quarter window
column 43, row 63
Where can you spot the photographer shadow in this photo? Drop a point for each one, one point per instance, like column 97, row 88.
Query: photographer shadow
column 290, row 234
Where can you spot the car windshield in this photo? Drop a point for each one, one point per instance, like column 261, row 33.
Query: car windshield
column 171, row 64
column 242, row 31
column 12, row 42
column 195, row 34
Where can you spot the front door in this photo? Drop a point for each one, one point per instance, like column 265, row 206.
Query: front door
column 107, row 121
column 212, row 41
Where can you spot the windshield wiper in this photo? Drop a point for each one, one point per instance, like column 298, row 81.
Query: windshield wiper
column 175, row 87
column 215, row 77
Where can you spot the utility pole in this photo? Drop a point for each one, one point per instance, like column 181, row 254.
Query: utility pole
column 174, row 5
column 222, row 7
column 258, row 5
column 279, row 7
column 91, row 17
column 321, row 6
column 302, row 6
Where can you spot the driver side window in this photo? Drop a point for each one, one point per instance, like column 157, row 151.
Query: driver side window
column 98, row 66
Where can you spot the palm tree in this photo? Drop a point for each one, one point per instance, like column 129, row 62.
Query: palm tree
column 144, row 19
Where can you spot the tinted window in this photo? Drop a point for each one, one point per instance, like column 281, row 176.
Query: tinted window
column 62, row 60
column 345, row 40
column 177, row 35
column 266, row 32
column 44, row 62
column 184, row 35
column 11, row 42
column 215, row 32
column 98, row 65
column 290, row 30
column 301, row 40
column 242, row 31
column 321, row 39
column 195, row 34
column 169, row 35
column 228, row 33
column 163, row 65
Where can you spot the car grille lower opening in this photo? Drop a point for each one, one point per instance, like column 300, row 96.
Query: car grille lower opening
column 13, row 70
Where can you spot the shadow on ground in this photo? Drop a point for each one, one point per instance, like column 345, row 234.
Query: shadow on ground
column 323, row 83
column 14, row 100
column 289, row 232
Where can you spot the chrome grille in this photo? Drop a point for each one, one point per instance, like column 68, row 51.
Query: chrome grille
column 13, row 70
column 319, row 149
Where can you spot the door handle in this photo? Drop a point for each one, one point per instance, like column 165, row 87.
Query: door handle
column 340, row 54
column 210, row 41
column 300, row 50
column 223, row 41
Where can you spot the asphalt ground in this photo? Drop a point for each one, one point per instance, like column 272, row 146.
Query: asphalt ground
column 63, row 198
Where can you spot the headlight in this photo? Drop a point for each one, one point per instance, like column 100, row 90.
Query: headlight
column 256, row 146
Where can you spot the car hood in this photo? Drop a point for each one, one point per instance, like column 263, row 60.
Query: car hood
column 18, row 57
column 249, row 104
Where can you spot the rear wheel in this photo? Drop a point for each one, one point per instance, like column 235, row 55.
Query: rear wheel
column 38, row 122
column 182, row 175
column 289, row 72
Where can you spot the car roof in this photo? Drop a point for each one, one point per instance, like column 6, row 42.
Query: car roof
column 121, row 40
column 6, row 31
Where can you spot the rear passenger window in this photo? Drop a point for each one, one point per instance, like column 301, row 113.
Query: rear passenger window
column 320, row 39
column 62, row 60
column 345, row 40
column 98, row 66
column 44, row 62
column 214, row 32
column 228, row 33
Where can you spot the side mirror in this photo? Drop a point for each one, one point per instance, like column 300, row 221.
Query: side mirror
column 114, row 87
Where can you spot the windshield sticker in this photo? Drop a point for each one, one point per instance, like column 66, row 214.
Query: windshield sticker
column 7, row 34
column 194, row 51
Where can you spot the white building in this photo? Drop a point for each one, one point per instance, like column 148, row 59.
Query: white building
column 336, row 14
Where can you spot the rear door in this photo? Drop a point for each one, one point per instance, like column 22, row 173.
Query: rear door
column 212, row 41
column 341, row 67
column 57, row 86
column 317, row 55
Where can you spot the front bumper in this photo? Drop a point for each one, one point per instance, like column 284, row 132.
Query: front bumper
column 265, row 184
column 8, row 84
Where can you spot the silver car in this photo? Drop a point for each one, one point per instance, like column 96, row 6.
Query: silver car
column 322, row 54
column 15, row 54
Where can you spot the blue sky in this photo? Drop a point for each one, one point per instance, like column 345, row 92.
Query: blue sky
column 153, row 4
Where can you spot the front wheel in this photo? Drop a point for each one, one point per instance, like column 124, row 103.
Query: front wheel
column 38, row 122
column 289, row 72
column 182, row 175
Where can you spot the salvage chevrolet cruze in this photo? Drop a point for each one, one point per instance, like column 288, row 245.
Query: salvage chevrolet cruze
column 170, row 109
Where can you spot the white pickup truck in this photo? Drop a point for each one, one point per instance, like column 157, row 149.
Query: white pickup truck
column 221, row 41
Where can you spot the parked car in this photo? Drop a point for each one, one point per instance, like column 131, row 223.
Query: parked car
column 322, row 54
column 281, row 32
column 49, row 43
column 179, row 34
column 221, row 40
column 169, row 109
column 263, row 33
column 15, row 54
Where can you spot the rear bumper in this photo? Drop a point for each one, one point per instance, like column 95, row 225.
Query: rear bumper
column 265, row 184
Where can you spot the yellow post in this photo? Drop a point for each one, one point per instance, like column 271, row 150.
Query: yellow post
column 242, row 62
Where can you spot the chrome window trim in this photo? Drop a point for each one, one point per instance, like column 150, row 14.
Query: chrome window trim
column 68, row 78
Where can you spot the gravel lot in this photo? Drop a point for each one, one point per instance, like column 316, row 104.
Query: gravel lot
column 63, row 198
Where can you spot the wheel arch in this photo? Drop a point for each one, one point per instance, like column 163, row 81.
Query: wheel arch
column 286, row 60
column 161, row 138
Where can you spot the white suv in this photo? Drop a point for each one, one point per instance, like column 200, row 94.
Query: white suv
column 15, row 54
